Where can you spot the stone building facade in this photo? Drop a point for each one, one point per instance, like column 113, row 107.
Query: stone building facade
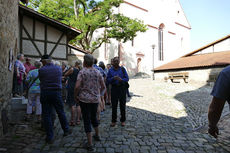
column 8, row 45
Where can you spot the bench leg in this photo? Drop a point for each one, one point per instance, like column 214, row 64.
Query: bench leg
column 185, row 80
column 171, row 80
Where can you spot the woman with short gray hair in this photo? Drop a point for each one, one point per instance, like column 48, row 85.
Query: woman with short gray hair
column 19, row 73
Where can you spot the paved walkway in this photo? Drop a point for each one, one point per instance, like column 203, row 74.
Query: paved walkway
column 161, row 117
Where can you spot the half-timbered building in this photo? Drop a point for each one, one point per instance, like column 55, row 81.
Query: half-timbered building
column 39, row 35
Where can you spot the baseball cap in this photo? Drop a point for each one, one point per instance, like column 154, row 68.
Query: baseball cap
column 45, row 57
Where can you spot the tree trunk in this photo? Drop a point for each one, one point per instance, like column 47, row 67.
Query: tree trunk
column 76, row 7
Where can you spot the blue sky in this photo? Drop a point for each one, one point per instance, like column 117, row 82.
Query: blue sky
column 209, row 19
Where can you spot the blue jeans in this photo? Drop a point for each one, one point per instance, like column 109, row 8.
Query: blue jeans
column 89, row 115
column 49, row 100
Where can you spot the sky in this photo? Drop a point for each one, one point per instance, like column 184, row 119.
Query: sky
column 209, row 19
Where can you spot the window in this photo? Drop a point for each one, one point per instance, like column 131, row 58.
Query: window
column 161, row 42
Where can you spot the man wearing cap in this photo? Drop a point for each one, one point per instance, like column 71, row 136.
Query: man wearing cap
column 50, row 77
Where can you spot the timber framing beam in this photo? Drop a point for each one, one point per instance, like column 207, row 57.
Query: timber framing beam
column 57, row 44
column 30, row 38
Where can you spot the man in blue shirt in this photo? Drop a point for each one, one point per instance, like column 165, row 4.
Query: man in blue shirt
column 220, row 95
column 99, row 68
column 117, row 76
column 50, row 77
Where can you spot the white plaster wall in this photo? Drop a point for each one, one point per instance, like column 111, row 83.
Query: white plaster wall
column 197, row 75
column 112, row 51
column 28, row 48
column 133, row 12
column 76, row 52
column 222, row 46
column 39, row 30
column 28, row 24
column 63, row 40
column 161, row 11
column 158, row 12
column 60, row 52
column 50, row 46
column 53, row 34
column 40, row 46
column 219, row 47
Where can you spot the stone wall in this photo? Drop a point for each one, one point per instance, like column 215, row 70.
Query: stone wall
column 8, row 39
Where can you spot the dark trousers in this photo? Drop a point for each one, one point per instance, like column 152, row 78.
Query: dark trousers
column 118, row 93
column 49, row 100
column 53, row 118
column 17, row 87
column 89, row 115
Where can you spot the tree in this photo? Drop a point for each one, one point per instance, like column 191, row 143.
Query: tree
column 96, row 20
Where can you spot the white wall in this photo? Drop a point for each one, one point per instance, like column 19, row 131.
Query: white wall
column 197, row 75
column 168, row 12
column 165, row 12
column 218, row 47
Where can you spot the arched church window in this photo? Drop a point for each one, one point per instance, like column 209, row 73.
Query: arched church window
column 161, row 41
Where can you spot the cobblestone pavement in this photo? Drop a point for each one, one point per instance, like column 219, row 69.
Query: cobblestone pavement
column 161, row 117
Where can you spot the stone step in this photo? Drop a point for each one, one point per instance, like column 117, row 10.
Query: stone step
column 18, row 109
column 18, row 103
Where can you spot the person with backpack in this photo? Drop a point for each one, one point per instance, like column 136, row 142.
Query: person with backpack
column 34, row 92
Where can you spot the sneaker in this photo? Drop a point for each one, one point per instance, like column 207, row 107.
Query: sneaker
column 97, row 137
column 67, row 133
column 89, row 147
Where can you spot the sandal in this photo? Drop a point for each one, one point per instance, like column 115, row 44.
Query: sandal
column 112, row 124
column 78, row 122
column 123, row 124
column 71, row 123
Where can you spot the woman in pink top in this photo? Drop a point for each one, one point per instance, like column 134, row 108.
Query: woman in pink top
column 88, row 90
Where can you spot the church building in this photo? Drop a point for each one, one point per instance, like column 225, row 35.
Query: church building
column 167, row 37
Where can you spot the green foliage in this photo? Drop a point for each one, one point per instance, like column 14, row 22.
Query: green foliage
column 94, row 18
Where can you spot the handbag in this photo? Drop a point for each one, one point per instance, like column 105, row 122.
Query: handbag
column 126, row 84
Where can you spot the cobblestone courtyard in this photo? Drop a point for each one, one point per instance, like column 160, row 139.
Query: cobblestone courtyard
column 161, row 117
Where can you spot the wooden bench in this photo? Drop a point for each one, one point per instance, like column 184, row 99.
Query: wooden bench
column 181, row 75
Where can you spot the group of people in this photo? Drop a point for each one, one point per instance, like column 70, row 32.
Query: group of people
column 26, row 82
column 89, row 88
